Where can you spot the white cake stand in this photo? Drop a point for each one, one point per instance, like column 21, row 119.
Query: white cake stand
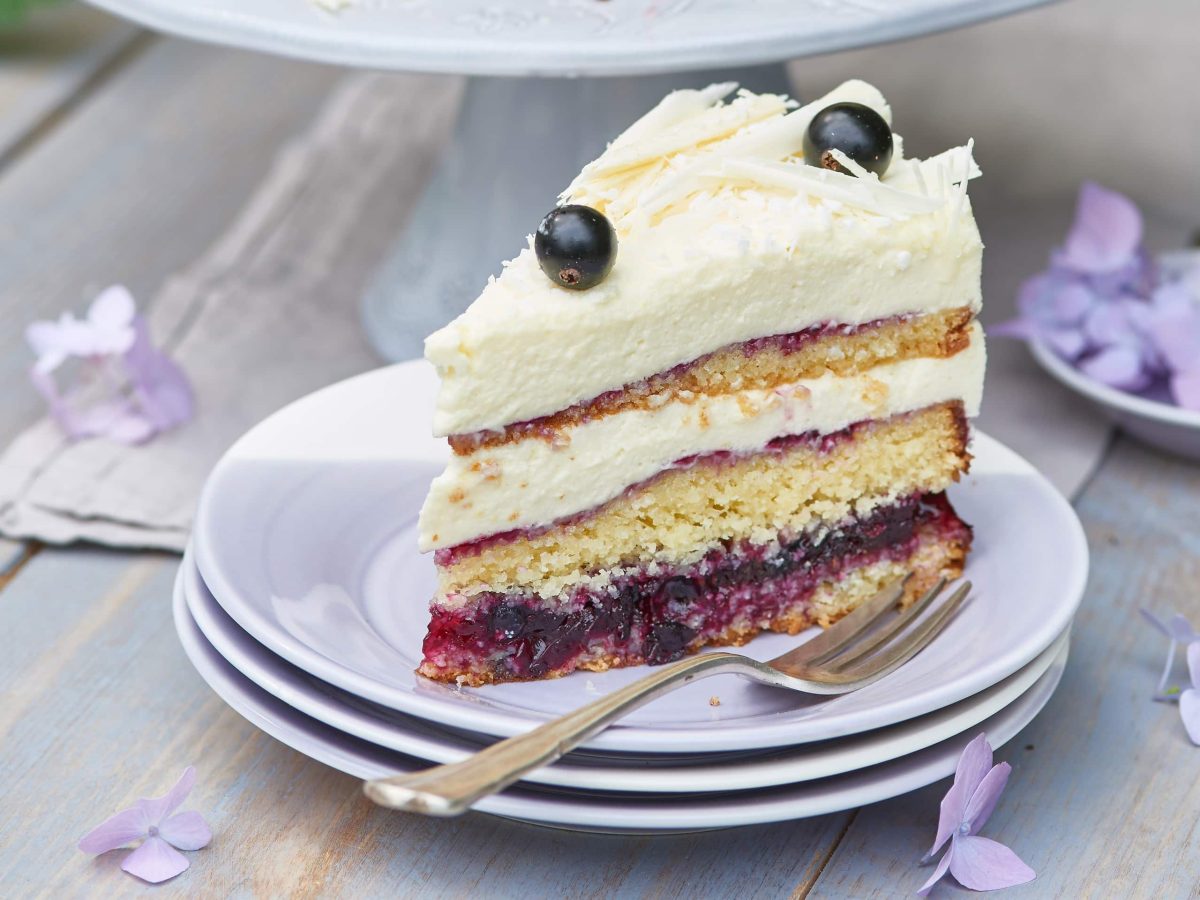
column 519, row 141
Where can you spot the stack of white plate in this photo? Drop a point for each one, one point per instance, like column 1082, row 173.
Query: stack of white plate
column 302, row 602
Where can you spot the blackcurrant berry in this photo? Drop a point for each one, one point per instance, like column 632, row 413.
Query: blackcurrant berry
column 856, row 130
column 576, row 247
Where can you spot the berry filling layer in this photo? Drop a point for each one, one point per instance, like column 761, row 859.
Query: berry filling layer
column 658, row 615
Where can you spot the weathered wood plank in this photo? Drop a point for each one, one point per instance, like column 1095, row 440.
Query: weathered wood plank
column 11, row 555
column 1102, row 801
column 101, row 706
column 136, row 182
column 48, row 60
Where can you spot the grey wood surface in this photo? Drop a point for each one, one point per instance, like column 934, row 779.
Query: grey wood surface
column 51, row 62
column 129, row 175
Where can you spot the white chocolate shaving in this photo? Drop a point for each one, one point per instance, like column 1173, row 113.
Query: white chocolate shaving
column 692, row 144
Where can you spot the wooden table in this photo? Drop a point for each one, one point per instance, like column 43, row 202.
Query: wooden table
column 122, row 155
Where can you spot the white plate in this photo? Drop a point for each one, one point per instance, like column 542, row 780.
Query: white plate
column 609, row 812
column 1159, row 423
column 306, row 536
column 625, row 772
column 553, row 37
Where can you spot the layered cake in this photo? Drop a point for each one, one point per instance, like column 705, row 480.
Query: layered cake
column 722, row 391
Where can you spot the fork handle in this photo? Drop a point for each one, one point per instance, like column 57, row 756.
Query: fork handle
column 451, row 789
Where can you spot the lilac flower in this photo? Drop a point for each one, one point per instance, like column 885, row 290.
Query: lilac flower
column 975, row 862
column 1105, row 306
column 1180, row 631
column 162, row 831
column 1105, row 239
column 127, row 390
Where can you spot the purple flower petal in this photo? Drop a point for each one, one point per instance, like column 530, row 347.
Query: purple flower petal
column 938, row 874
column 973, row 765
column 1119, row 367
column 1032, row 294
column 983, row 801
column 1181, row 629
column 1185, row 388
column 113, row 307
column 1177, row 628
column 1071, row 304
column 116, row 831
column 1108, row 324
column 1106, row 232
column 1189, row 711
column 158, row 808
column 1171, row 299
column 43, row 340
column 186, row 831
column 161, row 388
column 1193, row 662
column 116, row 420
column 1176, row 334
column 982, row 864
column 155, row 861
column 1069, row 343
column 949, row 817
column 111, row 318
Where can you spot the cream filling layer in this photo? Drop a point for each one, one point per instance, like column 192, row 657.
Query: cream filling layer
column 532, row 482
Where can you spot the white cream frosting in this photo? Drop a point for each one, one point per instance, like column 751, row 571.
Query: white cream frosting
column 532, row 482
column 724, row 235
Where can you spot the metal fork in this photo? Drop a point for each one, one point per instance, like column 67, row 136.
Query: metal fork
column 837, row 661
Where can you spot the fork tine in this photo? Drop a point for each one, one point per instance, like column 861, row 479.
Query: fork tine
column 890, row 630
column 906, row 647
column 830, row 641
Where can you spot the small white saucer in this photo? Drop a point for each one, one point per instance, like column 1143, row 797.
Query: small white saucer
column 1158, row 423
column 306, row 537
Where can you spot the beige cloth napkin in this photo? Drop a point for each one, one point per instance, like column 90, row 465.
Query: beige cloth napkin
column 270, row 314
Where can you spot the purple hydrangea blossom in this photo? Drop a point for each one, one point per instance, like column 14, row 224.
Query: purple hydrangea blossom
column 1180, row 632
column 162, row 832
column 124, row 387
column 978, row 863
column 1105, row 305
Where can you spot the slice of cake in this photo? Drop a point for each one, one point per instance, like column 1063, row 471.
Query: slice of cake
column 722, row 391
